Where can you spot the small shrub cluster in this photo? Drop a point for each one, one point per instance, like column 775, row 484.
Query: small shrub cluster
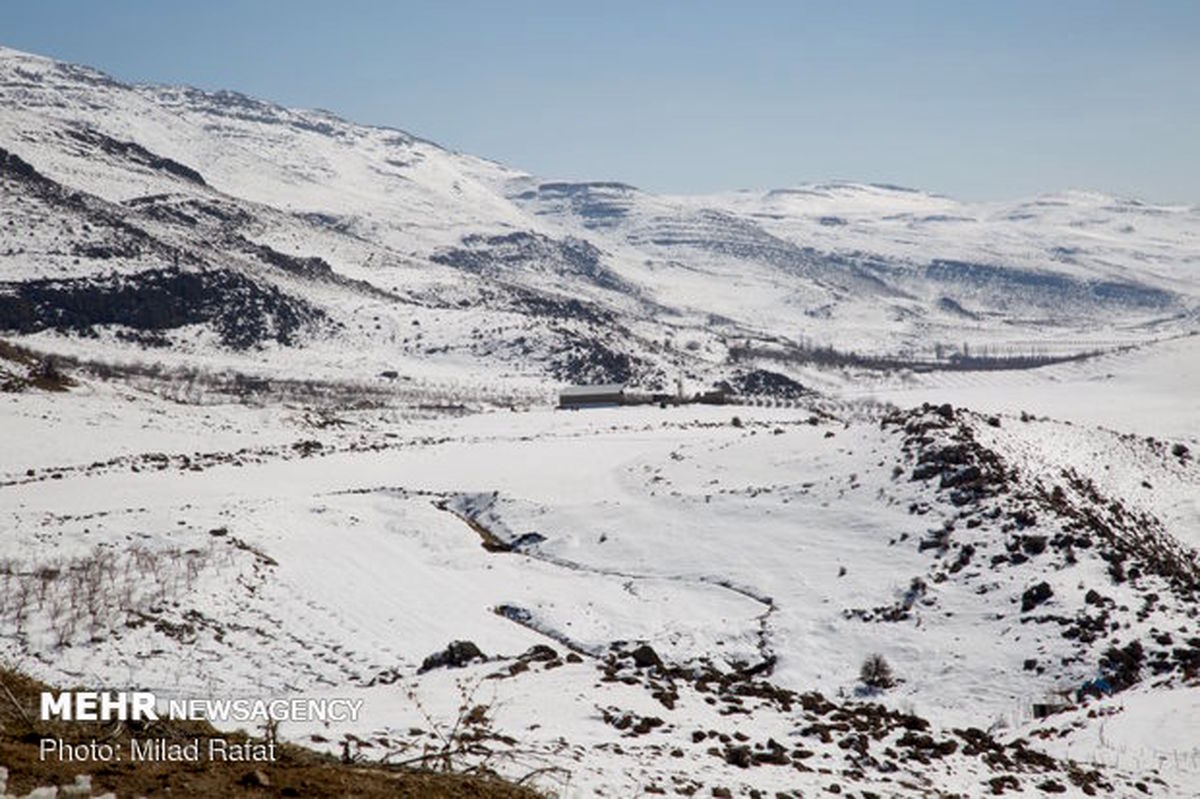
column 75, row 600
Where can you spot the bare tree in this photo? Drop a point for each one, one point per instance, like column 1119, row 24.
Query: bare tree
column 876, row 673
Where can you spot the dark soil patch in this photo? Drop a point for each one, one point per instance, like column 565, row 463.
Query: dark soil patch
column 296, row 771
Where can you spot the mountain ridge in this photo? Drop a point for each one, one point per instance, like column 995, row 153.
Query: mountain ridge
column 224, row 178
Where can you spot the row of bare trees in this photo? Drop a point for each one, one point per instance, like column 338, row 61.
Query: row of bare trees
column 86, row 595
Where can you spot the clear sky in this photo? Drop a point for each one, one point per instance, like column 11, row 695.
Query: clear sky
column 979, row 100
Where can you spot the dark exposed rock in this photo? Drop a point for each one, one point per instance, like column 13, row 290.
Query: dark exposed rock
column 525, row 541
column 583, row 360
column 313, row 268
column 1032, row 597
column 13, row 164
column 243, row 312
column 536, row 303
column 631, row 723
column 1034, row 544
column 739, row 756
column 539, row 652
column 761, row 382
column 645, row 657
column 597, row 203
column 135, row 153
column 456, row 655
column 1124, row 664
column 496, row 255
column 960, row 475
column 1030, row 288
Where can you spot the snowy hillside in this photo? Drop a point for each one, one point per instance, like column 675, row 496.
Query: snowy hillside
column 297, row 439
column 347, row 250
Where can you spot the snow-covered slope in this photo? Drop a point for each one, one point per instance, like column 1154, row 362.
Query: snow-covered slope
column 344, row 237
column 991, row 560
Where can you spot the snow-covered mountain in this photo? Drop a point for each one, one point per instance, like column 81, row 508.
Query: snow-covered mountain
column 304, row 445
column 349, row 249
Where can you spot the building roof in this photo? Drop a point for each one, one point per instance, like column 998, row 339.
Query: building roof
column 602, row 389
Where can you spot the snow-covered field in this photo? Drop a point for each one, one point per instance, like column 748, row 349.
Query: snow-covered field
column 329, row 451
column 264, row 565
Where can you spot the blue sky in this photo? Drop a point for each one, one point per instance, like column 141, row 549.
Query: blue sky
column 972, row 99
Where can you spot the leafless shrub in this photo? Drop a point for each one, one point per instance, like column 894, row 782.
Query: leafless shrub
column 90, row 592
column 62, row 621
column 467, row 743
column 22, row 599
column 461, row 738
column 6, row 579
column 45, row 576
column 876, row 673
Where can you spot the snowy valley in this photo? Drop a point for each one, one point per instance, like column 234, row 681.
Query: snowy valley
column 277, row 396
